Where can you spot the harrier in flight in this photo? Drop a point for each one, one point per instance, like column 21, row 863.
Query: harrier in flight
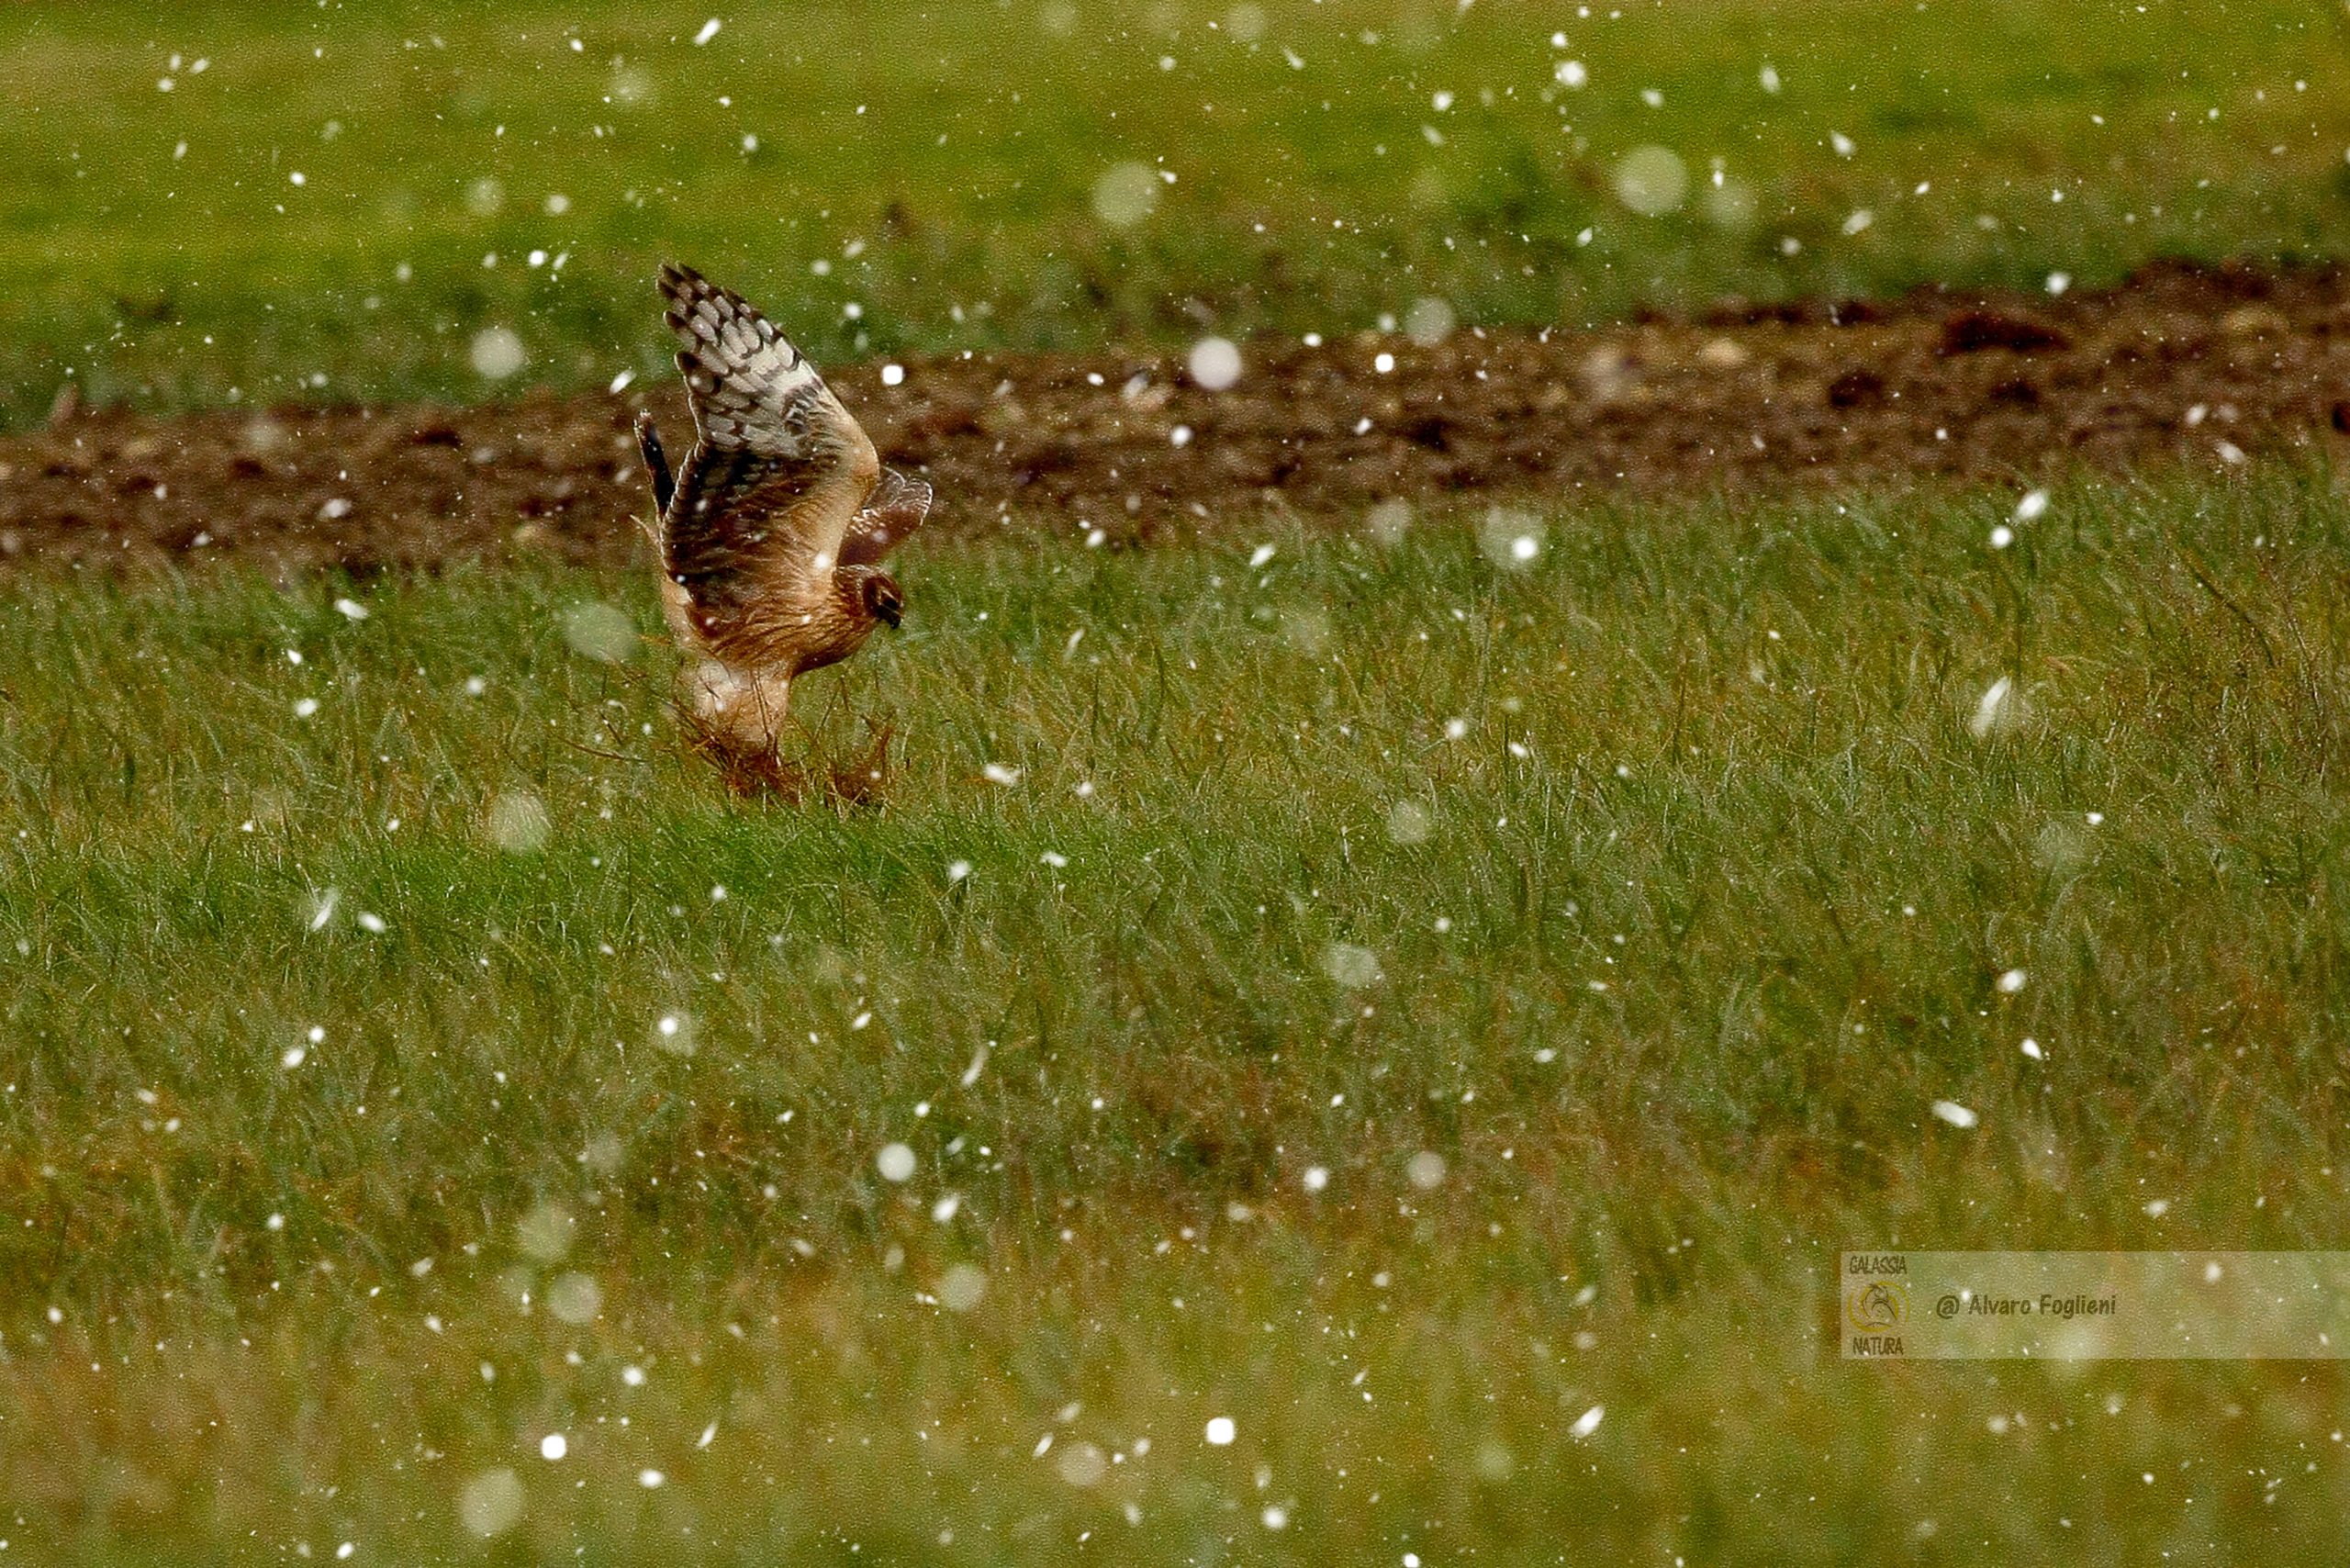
column 771, row 532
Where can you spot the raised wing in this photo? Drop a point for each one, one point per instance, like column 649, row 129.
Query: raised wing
column 895, row 509
column 776, row 471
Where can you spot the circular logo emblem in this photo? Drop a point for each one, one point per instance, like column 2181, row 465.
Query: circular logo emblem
column 1877, row 1307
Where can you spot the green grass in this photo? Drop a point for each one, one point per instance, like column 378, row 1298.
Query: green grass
column 1669, row 989
column 941, row 161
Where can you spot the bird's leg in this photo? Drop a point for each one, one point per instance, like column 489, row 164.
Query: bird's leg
column 770, row 702
column 746, row 711
column 737, row 722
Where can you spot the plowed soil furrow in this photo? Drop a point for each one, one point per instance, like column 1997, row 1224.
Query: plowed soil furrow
column 2210, row 367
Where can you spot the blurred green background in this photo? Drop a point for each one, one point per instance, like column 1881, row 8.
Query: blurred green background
column 228, row 202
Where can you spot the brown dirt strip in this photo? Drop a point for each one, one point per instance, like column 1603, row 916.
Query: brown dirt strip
column 2210, row 367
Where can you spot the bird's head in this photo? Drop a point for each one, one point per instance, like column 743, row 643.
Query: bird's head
column 882, row 599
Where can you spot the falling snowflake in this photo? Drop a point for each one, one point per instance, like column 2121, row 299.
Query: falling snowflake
column 1083, row 1464
column 1352, row 966
column 1994, row 710
column 600, row 632
column 1389, row 520
column 1409, row 823
column 1652, row 181
column 1214, row 363
column 961, row 1288
column 490, row 1504
column 1429, row 321
column 673, row 1032
column 1125, row 194
column 575, row 1298
column 498, row 352
column 1511, row 539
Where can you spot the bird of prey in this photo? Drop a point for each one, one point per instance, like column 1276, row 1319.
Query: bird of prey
column 771, row 532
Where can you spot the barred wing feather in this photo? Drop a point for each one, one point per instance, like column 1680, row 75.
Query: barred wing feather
column 777, row 471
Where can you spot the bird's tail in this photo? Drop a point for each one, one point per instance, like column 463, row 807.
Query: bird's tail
column 657, row 464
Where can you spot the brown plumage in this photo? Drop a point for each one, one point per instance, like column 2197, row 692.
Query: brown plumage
column 771, row 533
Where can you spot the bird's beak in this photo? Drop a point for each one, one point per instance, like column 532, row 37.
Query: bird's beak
column 890, row 613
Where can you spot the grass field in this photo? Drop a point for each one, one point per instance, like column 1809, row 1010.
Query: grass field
column 1408, row 999
column 272, row 203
